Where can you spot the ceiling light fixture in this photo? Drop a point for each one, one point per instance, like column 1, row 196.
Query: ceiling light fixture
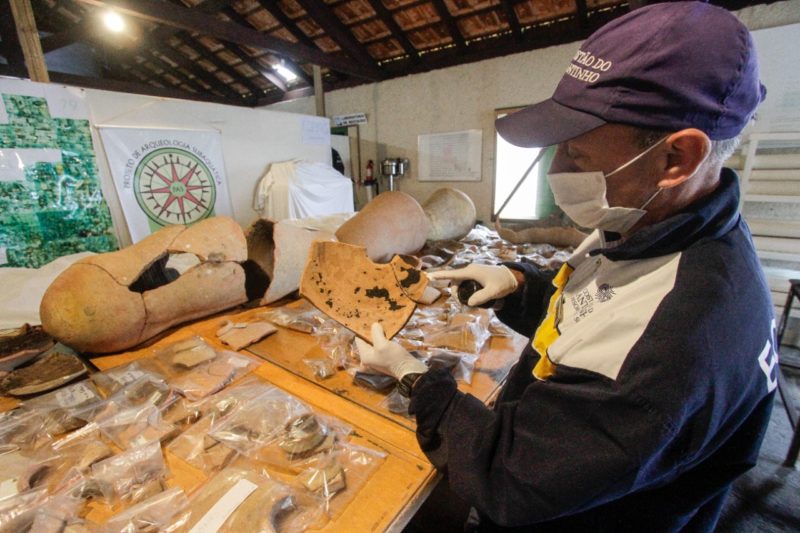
column 285, row 73
column 114, row 21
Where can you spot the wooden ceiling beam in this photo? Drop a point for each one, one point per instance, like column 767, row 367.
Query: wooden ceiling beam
column 452, row 26
column 181, row 60
column 271, row 7
column 123, row 56
column 28, row 37
column 245, row 58
column 191, row 20
column 285, row 97
column 397, row 32
column 167, row 67
column 108, row 84
column 162, row 34
column 582, row 13
column 511, row 17
column 336, row 30
column 218, row 63
column 10, row 47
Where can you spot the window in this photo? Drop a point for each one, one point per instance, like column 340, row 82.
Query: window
column 510, row 164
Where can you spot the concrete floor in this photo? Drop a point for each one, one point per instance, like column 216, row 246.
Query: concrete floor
column 767, row 498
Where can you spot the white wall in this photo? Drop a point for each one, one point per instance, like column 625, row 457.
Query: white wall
column 465, row 97
column 252, row 139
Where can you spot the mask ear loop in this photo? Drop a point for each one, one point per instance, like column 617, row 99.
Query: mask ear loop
column 638, row 157
column 652, row 197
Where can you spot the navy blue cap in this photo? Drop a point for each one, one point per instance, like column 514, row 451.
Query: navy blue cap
column 664, row 66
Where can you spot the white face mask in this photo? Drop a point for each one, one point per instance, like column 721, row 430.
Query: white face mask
column 582, row 196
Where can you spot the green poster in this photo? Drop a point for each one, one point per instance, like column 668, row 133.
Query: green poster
column 51, row 203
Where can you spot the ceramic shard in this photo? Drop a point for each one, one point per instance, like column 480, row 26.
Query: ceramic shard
column 113, row 301
column 343, row 283
column 392, row 223
column 450, row 213
column 280, row 250
column 555, row 235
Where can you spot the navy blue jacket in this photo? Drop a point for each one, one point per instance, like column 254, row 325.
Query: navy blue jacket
column 660, row 386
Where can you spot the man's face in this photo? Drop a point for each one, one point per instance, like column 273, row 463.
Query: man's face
column 606, row 149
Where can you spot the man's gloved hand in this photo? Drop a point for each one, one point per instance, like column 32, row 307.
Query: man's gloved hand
column 498, row 281
column 388, row 357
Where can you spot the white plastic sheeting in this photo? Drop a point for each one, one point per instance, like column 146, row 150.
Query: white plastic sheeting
column 300, row 189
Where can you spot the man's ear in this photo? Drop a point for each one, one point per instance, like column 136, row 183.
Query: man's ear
column 686, row 151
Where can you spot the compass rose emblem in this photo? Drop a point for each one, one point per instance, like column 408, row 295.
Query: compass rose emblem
column 174, row 186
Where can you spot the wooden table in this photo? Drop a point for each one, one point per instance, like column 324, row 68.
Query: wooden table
column 403, row 480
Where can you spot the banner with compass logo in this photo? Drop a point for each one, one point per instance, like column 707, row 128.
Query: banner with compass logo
column 166, row 177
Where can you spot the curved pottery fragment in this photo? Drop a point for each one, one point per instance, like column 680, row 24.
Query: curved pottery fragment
column 555, row 235
column 280, row 250
column 343, row 283
column 451, row 214
column 392, row 223
column 110, row 302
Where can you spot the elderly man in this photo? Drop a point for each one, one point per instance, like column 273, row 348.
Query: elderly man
column 649, row 381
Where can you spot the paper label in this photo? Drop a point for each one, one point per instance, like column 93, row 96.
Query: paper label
column 225, row 506
column 8, row 487
column 239, row 362
column 75, row 395
column 129, row 376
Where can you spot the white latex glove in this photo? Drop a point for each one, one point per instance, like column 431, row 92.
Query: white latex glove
column 387, row 356
column 498, row 281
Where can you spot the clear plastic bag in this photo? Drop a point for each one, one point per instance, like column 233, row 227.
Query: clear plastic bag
column 194, row 445
column 303, row 318
column 20, row 472
column 67, row 408
column 132, row 476
column 460, row 364
column 165, row 512
column 278, row 429
column 23, row 430
column 239, row 335
column 18, row 512
column 464, row 332
column 135, row 426
column 339, row 474
column 110, row 381
column 337, row 343
column 184, row 355
column 215, row 375
column 42, row 511
column 322, row 368
column 81, row 449
column 396, row 403
column 58, row 513
column 148, row 389
column 240, row 499
column 197, row 370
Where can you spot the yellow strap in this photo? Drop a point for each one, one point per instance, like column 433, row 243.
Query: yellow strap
column 547, row 332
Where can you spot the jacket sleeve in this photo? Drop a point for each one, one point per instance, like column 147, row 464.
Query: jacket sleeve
column 560, row 449
column 523, row 310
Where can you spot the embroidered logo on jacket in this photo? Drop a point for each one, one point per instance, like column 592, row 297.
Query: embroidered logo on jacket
column 768, row 360
column 604, row 293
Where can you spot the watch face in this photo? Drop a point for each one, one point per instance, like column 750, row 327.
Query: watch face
column 173, row 186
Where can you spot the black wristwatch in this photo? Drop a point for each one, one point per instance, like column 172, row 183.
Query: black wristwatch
column 407, row 383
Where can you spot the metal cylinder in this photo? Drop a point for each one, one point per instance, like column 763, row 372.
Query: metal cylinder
column 370, row 189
